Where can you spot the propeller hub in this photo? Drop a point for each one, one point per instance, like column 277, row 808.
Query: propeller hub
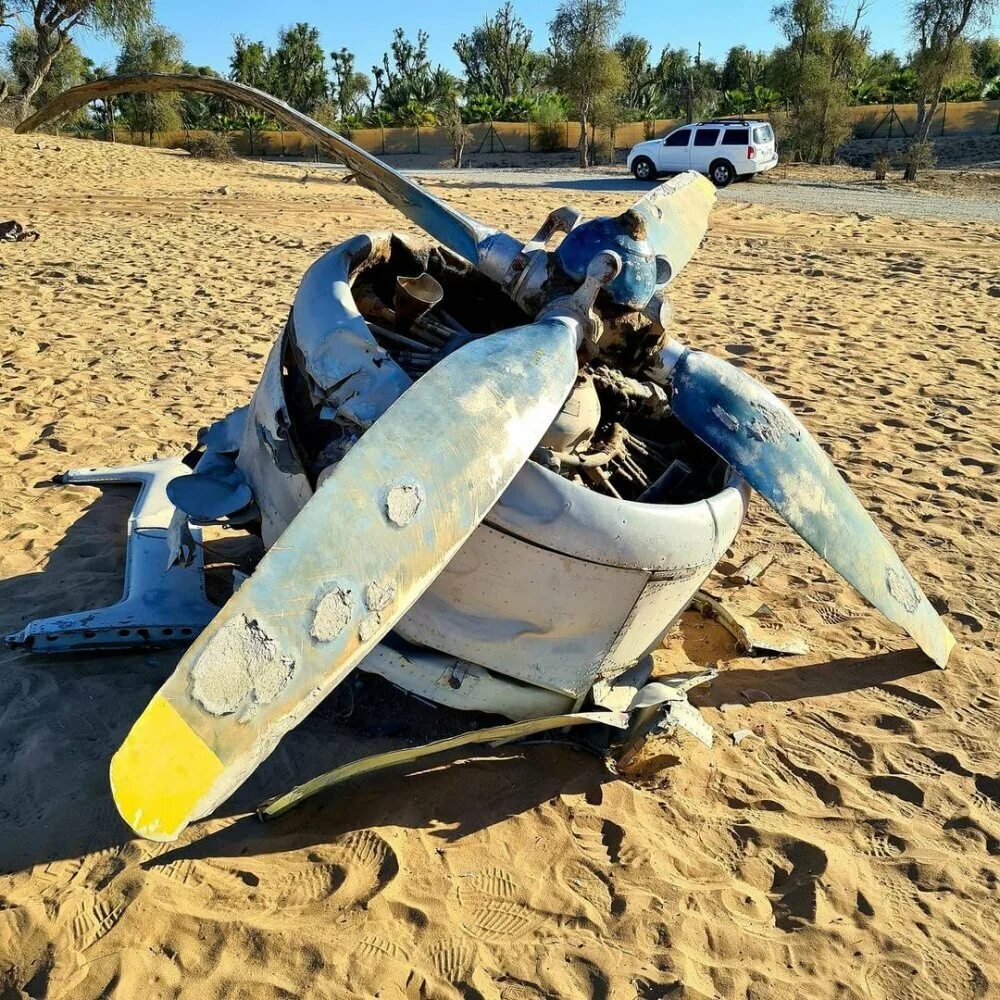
column 642, row 272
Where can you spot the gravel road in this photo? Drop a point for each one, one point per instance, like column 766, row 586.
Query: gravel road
column 809, row 196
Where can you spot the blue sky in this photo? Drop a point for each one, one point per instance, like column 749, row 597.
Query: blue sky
column 207, row 26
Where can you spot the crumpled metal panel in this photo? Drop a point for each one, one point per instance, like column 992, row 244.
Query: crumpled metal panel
column 459, row 684
column 351, row 373
column 267, row 457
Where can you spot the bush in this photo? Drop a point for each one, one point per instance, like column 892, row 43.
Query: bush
column 602, row 151
column 548, row 137
column 548, row 125
column 214, row 146
column 917, row 156
column 10, row 113
column 882, row 163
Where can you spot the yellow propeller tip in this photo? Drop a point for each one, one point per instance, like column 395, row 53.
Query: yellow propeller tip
column 162, row 773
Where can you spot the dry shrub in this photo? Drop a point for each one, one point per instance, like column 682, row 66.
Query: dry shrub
column 214, row 146
column 10, row 113
column 916, row 157
column 602, row 151
column 881, row 163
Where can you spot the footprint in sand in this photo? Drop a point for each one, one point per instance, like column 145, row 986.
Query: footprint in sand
column 600, row 839
column 454, row 959
column 494, row 908
column 93, row 917
column 584, row 882
column 912, row 703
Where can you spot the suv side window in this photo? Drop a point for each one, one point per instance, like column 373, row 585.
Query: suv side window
column 706, row 136
column 736, row 137
column 678, row 138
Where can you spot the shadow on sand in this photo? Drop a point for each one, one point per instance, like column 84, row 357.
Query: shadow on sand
column 61, row 719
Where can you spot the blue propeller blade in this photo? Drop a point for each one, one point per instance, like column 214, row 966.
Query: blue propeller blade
column 760, row 437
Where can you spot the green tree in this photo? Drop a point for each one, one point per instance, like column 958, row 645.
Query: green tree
column 497, row 57
column 815, row 71
column 942, row 57
column 409, row 90
column 348, row 85
column 155, row 50
column 69, row 68
column 584, row 66
column 985, row 57
column 299, row 67
column 639, row 88
column 744, row 69
column 250, row 63
column 54, row 22
column 687, row 85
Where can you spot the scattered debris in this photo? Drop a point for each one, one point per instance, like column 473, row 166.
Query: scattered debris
column 758, row 633
column 740, row 735
column 753, row 569
column 14, row 232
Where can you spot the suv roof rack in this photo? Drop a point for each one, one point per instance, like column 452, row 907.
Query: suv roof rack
column 726, row 121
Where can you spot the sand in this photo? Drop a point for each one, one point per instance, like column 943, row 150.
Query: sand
column 849, row 848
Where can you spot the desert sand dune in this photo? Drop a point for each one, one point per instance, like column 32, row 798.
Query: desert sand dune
column 850, row 848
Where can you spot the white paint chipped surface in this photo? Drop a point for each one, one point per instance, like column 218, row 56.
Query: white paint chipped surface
column 241, row 669
column 402, row 503
column 378, row 595
column 333, row 613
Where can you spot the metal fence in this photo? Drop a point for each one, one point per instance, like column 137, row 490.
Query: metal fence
column 870, row 121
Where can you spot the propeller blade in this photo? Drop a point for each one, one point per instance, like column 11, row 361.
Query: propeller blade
column 363, row 549
column 452, row 228
column 675, row 216
column 760, row 437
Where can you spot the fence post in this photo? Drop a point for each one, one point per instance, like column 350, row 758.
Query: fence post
column 944, row 116
column 418, row 138
column 382, row 130
column 529, row 132
column 567, row 134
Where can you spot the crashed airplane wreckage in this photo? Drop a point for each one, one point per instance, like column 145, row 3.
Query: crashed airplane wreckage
column 483, row 471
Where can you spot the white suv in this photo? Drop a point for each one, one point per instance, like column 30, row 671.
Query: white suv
column 723, row 149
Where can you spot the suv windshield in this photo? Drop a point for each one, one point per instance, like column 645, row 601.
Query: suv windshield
column 763, row 133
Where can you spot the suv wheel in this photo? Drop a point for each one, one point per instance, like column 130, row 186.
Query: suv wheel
column 721, row 173
column 643, row 169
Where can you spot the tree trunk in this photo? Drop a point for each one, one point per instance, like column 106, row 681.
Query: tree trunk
column 584, row 160
column 43, row 64
column 926, row 109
